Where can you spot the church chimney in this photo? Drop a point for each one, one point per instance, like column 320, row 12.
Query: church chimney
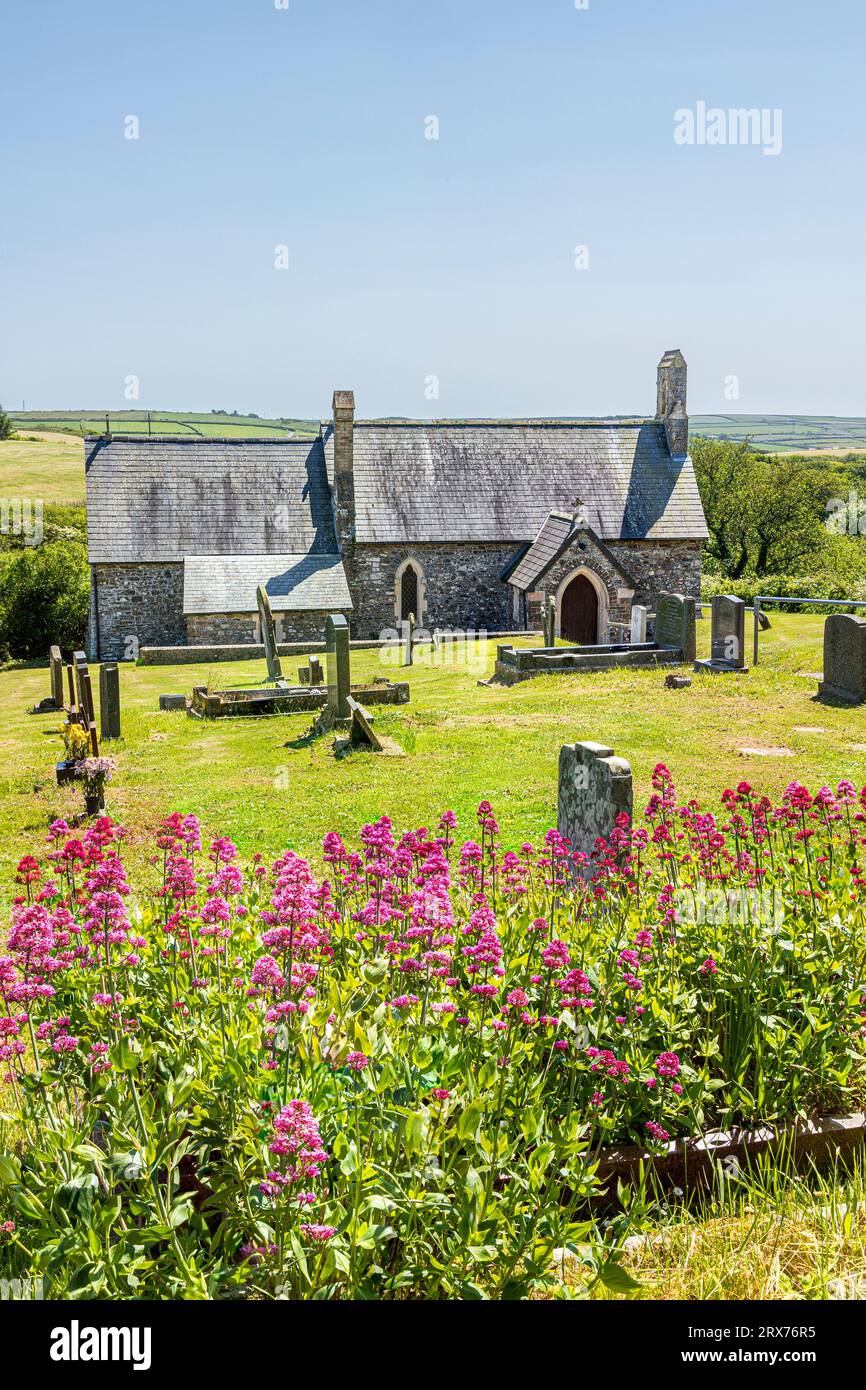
column 671, row 401
column 344, row 476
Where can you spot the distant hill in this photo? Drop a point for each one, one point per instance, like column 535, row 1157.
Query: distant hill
column 221, row 424
column 829, row 434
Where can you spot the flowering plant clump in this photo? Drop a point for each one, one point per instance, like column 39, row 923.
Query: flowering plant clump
column 95, row 772
column 395, row 1075
column 75, row 741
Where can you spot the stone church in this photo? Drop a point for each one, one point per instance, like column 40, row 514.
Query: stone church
column 465, row 523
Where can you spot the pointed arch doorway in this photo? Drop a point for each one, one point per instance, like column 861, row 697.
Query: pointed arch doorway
column 578, row 612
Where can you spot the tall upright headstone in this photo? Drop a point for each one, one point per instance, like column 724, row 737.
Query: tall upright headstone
column 408, row 638
column 595, row 787
column 109, row 700
column 55, row 663
column 675, row 624
column 844, row 659
column 548, row 617
column 638, row 623
column 269, row 635
column 728, row 638
column 337, row 653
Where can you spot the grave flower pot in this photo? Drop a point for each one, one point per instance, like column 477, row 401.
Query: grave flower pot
column 65, row 771
column 94, row 802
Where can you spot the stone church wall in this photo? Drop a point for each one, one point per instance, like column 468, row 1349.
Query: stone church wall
column 461, row 586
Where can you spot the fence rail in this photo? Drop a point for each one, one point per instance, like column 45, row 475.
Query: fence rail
column 777, row 598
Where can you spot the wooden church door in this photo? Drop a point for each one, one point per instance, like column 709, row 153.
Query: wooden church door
column 579, row 612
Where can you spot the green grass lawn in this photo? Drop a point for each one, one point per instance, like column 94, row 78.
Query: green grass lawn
column 50, row 466
column 192, row 423
column 264, row 784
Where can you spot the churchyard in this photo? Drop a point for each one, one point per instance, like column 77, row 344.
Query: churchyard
column 542, row 1142
column 265, row 783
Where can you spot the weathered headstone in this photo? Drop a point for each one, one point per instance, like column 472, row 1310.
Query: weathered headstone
column 304, row 675
column 595, row 786
column 172, row 702
column 844, row 658
column 728, row 638
column 55, row 662
column 675, row 624
column 269, row 635
column 362, row 728
column 548, row 618
column 638, row 624
column 109, row 700
column 408, row 638
column 337, row 652
column 316, row 674
column 675, row 682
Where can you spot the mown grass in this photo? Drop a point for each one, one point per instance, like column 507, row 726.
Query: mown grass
column 46, row 465
column 264, row 783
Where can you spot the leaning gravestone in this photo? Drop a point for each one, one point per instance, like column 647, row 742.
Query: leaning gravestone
column 675, row 624
column 109, row 700
column 638, row 624
column 844, row 658
column 337, row 652
column 55, row 662
column 728, row 641
column 316, row 674
column 594, row 788
column 269, row 635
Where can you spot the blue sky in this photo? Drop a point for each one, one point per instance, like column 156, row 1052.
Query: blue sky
column 412, row 258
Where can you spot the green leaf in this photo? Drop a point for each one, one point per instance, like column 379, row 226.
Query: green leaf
column 10, row 1169
column 614, row 1277
column 76, row 1196
column 469, row 1122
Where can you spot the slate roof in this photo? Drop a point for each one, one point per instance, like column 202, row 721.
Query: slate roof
column 555, row 531
column 163, row 499
column 558, row 533
column 497, row 480
column 294, row 583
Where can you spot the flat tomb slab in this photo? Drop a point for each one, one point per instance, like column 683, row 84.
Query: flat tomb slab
column 297, row 699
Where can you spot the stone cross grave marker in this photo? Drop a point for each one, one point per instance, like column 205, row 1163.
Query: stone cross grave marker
column 55, row 663
column 109, row 700
column 638, row 623
column 844, row 658
column 675, row 624
column 595, row 786
column 337, row 652
column 269, row 635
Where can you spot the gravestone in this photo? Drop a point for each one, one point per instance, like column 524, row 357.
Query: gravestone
column 337, row 652
column 728, row 638
column 304, row 675
column 674, row 682
column 675, row 624
column 844, row 658
column 55, row 662
column 269, row 635
column 362, row 728
column 86, row 710
column 595, row 786
column 638, row 624
column 408, row 636
column 109, row 700
column 316, row 674
column 548, row 619
column 172, row 702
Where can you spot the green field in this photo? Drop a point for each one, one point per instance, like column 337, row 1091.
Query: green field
column 778, row 433
column 200, row 424
column 50, row 467
column 263, row 783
